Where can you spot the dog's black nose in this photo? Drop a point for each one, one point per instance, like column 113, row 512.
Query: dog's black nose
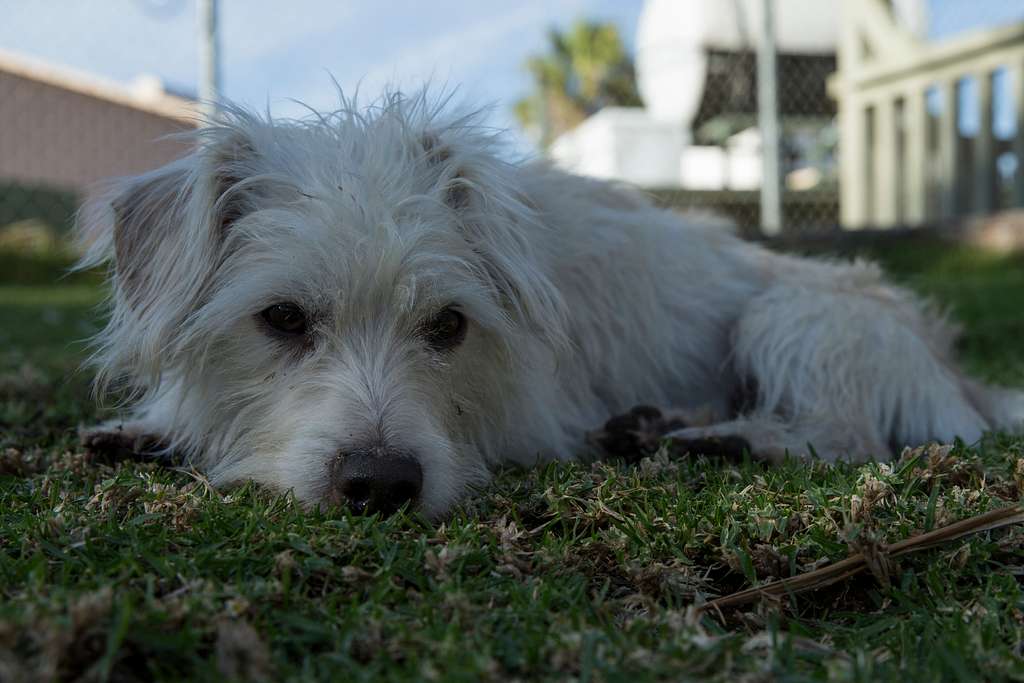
column 379, row 479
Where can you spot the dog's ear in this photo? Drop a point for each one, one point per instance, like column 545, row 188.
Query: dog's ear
column 148, row 218
column 495, row 218
column 164, row 234
column 170, row 223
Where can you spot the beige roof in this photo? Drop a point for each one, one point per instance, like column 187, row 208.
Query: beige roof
column 146, row 94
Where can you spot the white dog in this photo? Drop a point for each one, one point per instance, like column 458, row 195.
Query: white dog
column 373, row 308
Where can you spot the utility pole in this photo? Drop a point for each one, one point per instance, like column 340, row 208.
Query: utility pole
column 209, row 58
column 768, row 121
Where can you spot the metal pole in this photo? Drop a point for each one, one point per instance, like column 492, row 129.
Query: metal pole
column 768, row 120
column 209, row 58
column 1018, row 139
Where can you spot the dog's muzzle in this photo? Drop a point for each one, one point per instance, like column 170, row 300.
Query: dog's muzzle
column 377, row 479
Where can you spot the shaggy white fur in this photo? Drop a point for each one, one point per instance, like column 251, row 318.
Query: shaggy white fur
column 580, row 300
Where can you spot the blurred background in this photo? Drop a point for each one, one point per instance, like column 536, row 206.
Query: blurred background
column 792, row 118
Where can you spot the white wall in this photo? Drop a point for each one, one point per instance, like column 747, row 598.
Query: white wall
column 623, row 143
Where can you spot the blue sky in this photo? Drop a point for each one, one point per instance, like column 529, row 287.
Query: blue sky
column 274, row 50
column 946, row 17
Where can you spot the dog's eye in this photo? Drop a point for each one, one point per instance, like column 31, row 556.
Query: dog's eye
column 286, row 318
column 445, row 330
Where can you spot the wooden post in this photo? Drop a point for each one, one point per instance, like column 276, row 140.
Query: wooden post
column 915, row 161
column 949, row 150
column 983, row 182
column 854, row 202
column 886, row 163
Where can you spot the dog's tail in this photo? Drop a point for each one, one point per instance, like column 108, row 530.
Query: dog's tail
column 1004, row 408
column 1013, row 401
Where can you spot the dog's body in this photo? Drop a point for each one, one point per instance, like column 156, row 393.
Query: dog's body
column 284, row 297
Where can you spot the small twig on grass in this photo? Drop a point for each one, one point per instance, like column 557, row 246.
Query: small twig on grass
column 833, row 573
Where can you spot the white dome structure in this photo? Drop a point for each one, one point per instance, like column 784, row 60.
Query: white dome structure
column 673, row 36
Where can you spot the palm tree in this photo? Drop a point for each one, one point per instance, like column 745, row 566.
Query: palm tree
column 585, row 69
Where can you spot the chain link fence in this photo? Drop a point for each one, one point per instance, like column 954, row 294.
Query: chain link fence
column 724, row 148
column 725, row 130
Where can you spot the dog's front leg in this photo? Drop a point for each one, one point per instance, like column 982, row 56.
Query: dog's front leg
column 761, row 436
column 643, row 429
column 123, row 440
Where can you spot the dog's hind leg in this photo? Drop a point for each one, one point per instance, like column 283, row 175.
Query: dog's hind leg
column 844, row 371
column 766, row 437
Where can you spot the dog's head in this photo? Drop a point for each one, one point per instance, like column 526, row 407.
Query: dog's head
column 340, row 308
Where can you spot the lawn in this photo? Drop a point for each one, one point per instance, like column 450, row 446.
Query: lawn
column 128, row 571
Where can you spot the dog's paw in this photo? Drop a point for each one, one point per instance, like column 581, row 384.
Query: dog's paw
column 115, row 441
column 635, row 434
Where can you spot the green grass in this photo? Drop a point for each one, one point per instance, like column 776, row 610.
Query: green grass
column 128, row 571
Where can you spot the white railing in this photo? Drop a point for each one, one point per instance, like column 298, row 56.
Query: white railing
column 901, row 161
